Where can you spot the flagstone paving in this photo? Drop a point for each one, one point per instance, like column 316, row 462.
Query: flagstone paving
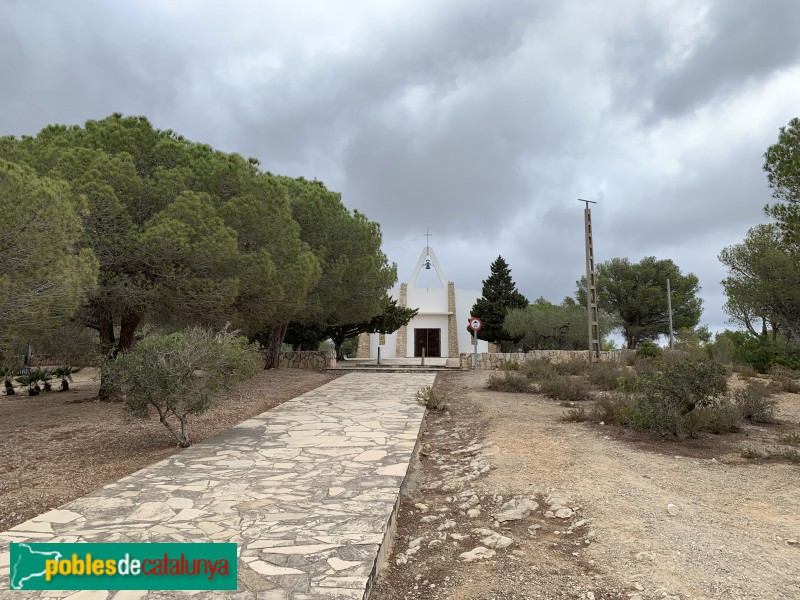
column 305, row 490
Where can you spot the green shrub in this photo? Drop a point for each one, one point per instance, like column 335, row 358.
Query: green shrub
column 509, row 382
column 762, row 352
column 616, row 409
column 509, row 365
column 648, row 350
column 571, row 389
column 683, row 398
column 538, row 369
column 755, row 402
column 181, row 374
column 605, row 376
column 686, row 385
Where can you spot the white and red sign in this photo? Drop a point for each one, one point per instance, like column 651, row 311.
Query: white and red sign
column 475, row 324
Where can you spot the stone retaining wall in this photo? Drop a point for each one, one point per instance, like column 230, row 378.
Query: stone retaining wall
column 321, row 359
column 494, row 360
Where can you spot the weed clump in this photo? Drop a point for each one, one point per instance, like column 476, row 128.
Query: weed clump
column 751, row 453
column 791, row 439
column 575, row 415
column 429, row 398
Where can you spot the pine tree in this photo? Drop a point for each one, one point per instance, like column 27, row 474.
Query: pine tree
column 499, row 295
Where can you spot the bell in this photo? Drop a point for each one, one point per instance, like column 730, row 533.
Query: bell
column 428, row 264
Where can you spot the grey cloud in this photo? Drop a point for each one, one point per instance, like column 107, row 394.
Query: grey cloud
column 483, row 121
column 749, row 40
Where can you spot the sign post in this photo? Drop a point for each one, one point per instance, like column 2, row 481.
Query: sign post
column 475, row 324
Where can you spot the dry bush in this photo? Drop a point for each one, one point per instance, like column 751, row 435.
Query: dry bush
column 787, row 379
column 538, row 369
column 509, row 382
column 745, row 371
column 509, row 365
column 571, row 389
column 755, row 402
column 576, row 366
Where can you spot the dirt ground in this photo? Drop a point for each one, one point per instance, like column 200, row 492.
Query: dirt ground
column 644, row 519
column 61, row 445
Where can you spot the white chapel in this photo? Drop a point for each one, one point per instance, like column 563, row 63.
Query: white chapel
column 440, row 327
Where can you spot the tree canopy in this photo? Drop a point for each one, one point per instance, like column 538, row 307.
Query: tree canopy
column 636, row 293
column 44, row 276
column 184, row 234
column 391, row 319
column 499, row 295
column 763, row 283
column 355, row 272
column 162, row 221
column 547, row 326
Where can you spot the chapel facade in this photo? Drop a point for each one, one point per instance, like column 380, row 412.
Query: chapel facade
column 440, row 327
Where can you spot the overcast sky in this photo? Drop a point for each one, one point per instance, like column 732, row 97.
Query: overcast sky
column 484, row 121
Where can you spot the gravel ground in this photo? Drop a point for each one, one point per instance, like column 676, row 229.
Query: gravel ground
column 61, row 445
column 646, row 519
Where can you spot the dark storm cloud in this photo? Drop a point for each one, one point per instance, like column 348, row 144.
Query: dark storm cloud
column 484, row 121
column 747, row 41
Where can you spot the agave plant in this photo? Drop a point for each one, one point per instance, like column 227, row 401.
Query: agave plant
column 7, row 373
column 65, row 374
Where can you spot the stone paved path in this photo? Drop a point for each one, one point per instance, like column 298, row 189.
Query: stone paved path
column 306, row 490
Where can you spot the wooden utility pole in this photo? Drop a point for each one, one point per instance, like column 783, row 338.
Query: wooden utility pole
column 669, row 309
column 591, row 286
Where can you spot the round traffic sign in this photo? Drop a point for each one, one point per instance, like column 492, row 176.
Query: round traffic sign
column 475, row 324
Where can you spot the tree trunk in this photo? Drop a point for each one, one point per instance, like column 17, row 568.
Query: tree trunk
column 107, row 392
column 127, row 334
column 105, row 327
column 273, row 354
column 181, row 438
column 127, row 338
column 337, row 345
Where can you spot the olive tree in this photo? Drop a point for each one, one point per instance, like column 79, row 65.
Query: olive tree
column 182, row 374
